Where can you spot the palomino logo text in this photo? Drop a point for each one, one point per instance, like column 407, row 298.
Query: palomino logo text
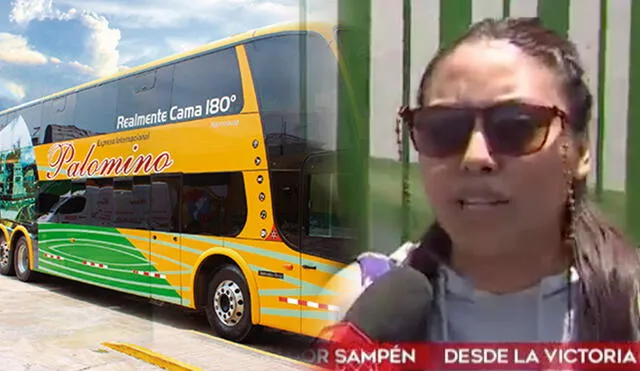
column 63, row 155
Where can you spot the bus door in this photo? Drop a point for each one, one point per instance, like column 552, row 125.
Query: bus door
column 326, row 239
column 165, row 251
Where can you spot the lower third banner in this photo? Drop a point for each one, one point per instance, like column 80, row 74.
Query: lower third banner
column 460, row 357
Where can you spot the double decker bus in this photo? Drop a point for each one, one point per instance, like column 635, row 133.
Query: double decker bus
column 206, row 180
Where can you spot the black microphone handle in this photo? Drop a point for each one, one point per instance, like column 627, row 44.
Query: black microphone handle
column 395, row 308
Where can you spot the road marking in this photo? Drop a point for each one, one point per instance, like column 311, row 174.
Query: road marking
column 151, row 357
column 260, row 351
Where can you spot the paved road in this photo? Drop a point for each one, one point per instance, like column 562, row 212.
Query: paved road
column 59, row 325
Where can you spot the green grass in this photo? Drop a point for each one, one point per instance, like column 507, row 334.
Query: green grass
column 385, row 179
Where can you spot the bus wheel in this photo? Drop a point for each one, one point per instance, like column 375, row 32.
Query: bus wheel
column 21, row 261
column 228, row 305
column 6, row 258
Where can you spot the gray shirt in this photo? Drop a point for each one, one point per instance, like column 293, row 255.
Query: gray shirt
column 538, row 314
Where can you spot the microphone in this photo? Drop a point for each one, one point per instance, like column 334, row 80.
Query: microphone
column 393, row 309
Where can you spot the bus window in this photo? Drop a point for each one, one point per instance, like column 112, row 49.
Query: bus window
column 328, row 231
column 71, row 207
column 101, row 199
column 32, row 116
column 71, row 210
column 213, row 204
column 141, row 200
column 165, row 200
column 326, row 216
column 234, row 206
column 49, row 193
column 96, row 109
column 293, row 130
column 286, row 200
column 58, row 118
column 123, row 212
column 277, row 65
column 210, row 83
column 17, row 134
column 144, row 95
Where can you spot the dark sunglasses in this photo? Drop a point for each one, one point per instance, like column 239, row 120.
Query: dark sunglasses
column 510, row 128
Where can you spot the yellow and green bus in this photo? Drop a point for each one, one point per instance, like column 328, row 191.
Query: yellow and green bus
column 206, row 180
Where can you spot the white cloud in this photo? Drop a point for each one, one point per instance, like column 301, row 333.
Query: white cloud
column 133, row 15
column 178, row 13
column 102, row 43
column 25, row 11
column 81, row 67
column 323, row 10
column 16, row 89
column 153, row 29
column 140, row 51
column 181, row 44
column 280, row 10
column 12, row 90
column 15, row 49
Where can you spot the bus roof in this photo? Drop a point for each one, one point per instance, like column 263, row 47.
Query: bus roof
column 323, row 28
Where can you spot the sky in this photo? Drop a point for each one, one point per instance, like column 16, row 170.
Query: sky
column 50, row 45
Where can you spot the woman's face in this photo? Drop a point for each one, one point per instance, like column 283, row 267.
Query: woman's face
column 488, row 201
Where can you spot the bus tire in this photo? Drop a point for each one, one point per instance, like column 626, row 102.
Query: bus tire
column 6, row 257
column 228, row 306
column 21, row 261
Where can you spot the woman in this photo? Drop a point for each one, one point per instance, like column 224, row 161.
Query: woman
column 517, row 252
